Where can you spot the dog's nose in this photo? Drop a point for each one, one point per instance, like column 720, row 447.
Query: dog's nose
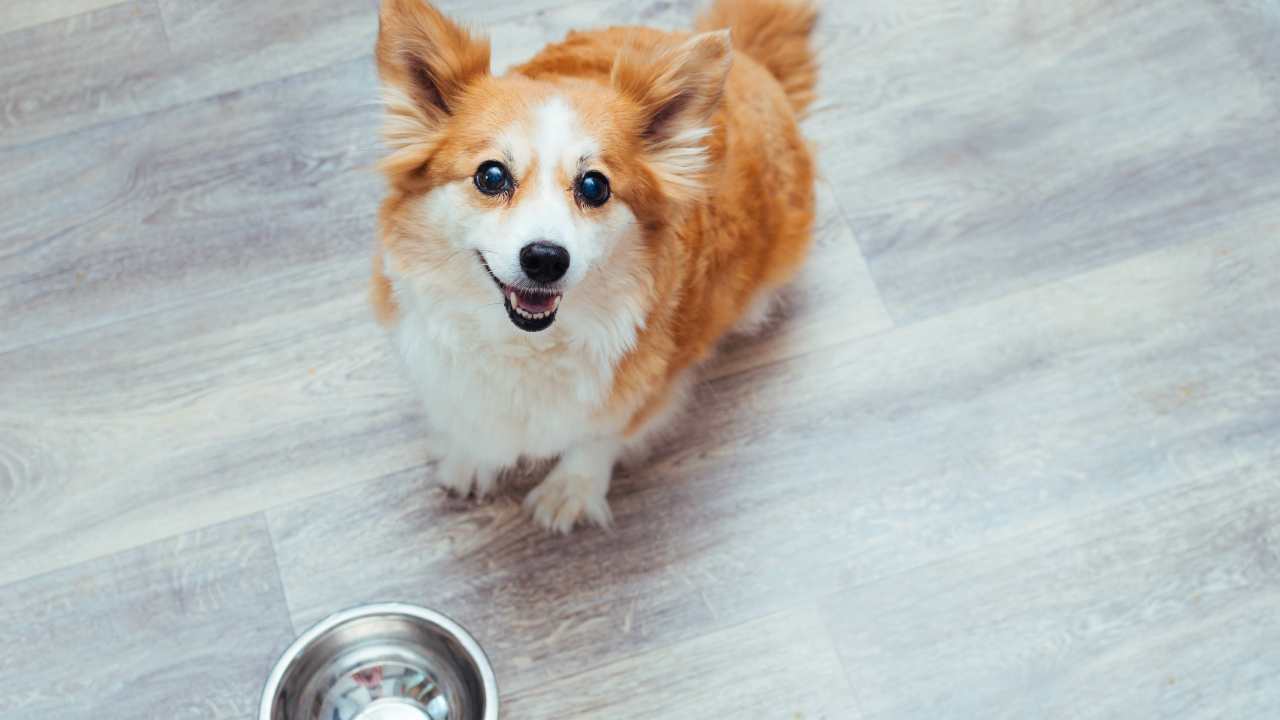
column 544, row 262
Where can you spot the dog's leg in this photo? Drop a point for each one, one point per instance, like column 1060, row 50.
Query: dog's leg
column 576, row 489
column 463, row 476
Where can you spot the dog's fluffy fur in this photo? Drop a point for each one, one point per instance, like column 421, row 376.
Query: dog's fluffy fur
column 711, row 212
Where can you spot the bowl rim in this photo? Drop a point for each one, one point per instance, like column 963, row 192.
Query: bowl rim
column 313, row 633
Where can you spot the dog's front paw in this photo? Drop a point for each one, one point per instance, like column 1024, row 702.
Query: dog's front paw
column 463, row 478
column 565, row 499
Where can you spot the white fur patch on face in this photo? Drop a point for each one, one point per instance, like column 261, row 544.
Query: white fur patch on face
column 553, row 142
column 558, row 138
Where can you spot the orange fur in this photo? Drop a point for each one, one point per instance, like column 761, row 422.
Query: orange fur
column 380, row 294
column 776, row 34
column 727, row 215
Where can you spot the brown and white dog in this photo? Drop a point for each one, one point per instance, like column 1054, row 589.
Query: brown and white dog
column 563, row 245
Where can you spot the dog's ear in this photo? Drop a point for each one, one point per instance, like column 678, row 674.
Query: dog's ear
column 426, row 59
column 676, row 90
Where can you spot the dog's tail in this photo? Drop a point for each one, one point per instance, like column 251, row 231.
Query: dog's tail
column 774, row 33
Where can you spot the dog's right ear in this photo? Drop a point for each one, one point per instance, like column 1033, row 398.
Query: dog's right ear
column 426, row 59
column 676, row 91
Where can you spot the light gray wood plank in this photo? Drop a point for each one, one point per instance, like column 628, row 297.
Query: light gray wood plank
column 121, row 219
column 73, row 72
column 782, row 666
column 854, row 463
column 18, row 14
column 1160, row 608
column 225, row 45
column 517, row 36
column 131, row 58
column 1255, row 24
column 271, row 392
column 186, row 628
column 978, row 150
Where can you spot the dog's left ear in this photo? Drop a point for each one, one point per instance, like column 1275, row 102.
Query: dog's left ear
column 426, row 63
column 676, row 90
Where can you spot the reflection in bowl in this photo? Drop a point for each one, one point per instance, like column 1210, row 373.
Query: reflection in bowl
column 382, row 662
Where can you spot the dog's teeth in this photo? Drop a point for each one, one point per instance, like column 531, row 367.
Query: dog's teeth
column 514, row 299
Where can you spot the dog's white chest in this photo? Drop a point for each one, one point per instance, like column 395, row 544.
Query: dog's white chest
column 531, row 396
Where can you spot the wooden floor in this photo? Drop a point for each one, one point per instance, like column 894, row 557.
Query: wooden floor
column 1013, row 451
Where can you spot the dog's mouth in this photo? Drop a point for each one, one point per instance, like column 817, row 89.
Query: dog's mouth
column 530, row 309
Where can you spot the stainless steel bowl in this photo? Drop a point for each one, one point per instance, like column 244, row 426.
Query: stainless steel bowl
column 382, row 662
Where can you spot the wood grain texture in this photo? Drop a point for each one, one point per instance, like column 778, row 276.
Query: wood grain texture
column 161, row 209
column 183, row 629
column 982, row 149
column 80, row 70
column 224, row 45
column 1255, row 24
column 19, row 14
column 517, row 36
column 147, row 55
column 141, row 430
column 781, row 666
column 1159, row 608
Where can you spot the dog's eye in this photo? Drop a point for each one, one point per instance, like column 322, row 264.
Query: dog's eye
column 492, row 178
column 593, row 189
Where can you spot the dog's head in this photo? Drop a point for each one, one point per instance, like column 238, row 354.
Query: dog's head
column 522, row 193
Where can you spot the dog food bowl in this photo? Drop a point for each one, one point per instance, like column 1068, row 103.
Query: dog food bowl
column 382, row 662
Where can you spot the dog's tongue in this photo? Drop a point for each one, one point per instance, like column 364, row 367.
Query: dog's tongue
column 535, row 303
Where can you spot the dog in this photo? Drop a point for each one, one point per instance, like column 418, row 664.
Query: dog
column 563, row 245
